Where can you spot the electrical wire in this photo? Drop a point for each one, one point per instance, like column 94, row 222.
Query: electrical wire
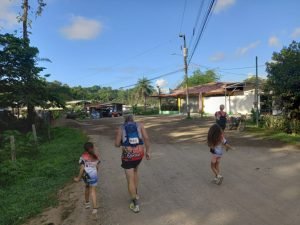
column 154, row 78
column 183, row 14
column 203, row 25
column 196, row 22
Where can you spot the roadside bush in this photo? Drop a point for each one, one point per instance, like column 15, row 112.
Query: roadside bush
column 24, row 144
column 29, row 184
column 141, row 111
column 9, row 171
column 280, row 123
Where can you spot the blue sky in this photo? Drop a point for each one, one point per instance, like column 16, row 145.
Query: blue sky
column 114, row 43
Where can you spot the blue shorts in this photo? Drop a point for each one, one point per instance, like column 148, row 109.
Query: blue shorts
column 90, row 181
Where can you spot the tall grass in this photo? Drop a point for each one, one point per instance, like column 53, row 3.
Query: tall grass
column 37, row 179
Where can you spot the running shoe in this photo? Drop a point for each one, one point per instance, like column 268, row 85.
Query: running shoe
column 215, row 180
column 87, row 205
column 134, row 206
column 94, row 211
column 220, row 179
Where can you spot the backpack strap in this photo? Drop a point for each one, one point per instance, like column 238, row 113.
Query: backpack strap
column 124, row 133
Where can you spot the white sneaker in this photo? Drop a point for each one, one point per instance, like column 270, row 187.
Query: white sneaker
column 220, row 179
column 134, row 207
column 215, row 180
column 94, row 211
column 87, row 205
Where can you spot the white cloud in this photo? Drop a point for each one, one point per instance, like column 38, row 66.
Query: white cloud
column 249, row 75
column 274, row 42
column 296, row 33
column 8, row 18
column 242, row 51
column 217, row 57
column 161, row 83
column 82, row 29
column 223, row 5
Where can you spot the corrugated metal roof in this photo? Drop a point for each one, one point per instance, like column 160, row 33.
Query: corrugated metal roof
column 212, row 88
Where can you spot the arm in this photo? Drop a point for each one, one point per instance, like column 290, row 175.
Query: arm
column 76, row 179
column 217, row 116
column 118, row 138
column 146, row 141
column 227, row 146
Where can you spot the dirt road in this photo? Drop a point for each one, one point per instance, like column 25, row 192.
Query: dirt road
column 261, row 180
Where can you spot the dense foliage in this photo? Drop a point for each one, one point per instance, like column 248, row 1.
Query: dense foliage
column 20, row 82
column 198, row 78
column 284, row 78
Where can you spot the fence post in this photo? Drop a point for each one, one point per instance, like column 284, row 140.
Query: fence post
column 13, row 148
column 34, row 133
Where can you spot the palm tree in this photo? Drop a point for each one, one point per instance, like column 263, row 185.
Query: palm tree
column 144, row 89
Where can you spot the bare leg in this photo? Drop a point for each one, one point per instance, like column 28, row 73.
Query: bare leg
column 94, row 196
column 214, row 168
column 217, row 166
column 131, row 182
column 87, row 194
column 136, row 179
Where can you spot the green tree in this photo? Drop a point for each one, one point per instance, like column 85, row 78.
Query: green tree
column 144, row 89
column 58, row 93
column 284, row 77
column 20, row 82
column 199, row 78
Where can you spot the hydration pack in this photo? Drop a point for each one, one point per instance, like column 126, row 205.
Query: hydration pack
column 131, row 134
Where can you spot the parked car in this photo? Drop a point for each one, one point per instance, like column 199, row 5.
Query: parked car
column 106, row 112
column 71, row 115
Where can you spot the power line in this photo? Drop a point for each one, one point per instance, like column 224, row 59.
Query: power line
column 154, row 78
column 196, row 22
column 204, row 23
column 240, row 68
column 182, row 18
column 128, row 59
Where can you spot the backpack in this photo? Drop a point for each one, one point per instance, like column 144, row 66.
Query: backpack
column 222, row 121
column 131, row 134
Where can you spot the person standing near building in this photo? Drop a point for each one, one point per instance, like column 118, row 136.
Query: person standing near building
column 221, row 117
column 133, row 140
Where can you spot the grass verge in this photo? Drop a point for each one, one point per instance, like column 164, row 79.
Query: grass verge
column 41, row 176
column 293, row 139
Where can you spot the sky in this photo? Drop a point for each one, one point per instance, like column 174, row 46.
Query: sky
column 114, row 43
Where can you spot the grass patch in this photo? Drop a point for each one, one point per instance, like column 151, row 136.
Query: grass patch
column 293, row 139
column 40, row 177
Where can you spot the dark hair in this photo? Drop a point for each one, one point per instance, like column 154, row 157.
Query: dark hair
column 89, row 147
column 214, row 136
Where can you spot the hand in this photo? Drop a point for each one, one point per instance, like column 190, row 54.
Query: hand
column 148, row 157
column 76, row 179
column 229, row 148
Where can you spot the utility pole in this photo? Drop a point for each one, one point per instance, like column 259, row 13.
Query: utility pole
column 185, row 54
column 256, row 92
column 159, row 98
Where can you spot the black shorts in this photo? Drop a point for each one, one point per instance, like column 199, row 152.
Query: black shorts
column 130, row 164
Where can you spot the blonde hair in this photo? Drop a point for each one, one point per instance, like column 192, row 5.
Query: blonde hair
column 128, row 118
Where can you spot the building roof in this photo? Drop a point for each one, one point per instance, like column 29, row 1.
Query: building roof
column 209, row 89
